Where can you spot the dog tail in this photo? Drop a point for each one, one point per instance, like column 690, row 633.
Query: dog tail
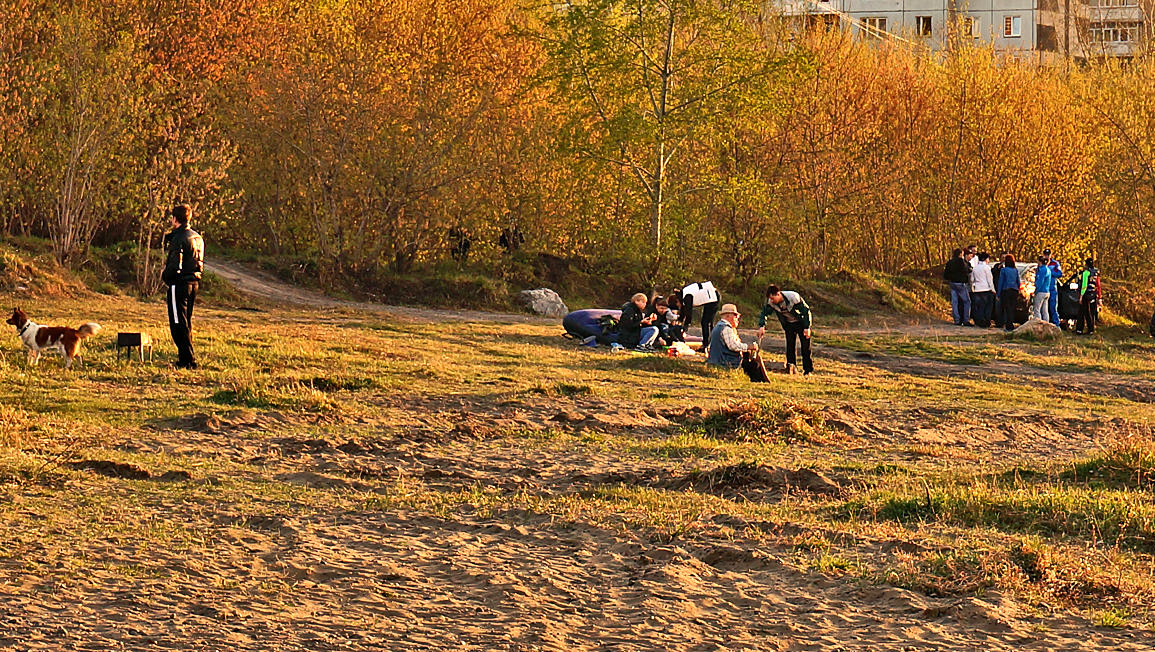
column 88, row 330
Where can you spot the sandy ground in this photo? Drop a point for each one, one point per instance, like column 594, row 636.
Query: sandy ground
column 263, row 579
column 260, row 578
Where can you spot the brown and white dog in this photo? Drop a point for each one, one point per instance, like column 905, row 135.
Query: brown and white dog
column 37, row 338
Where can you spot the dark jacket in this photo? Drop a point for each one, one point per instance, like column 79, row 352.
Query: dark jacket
column 792, row 311
column 630, row 325
column 186, row 257
column 958, row 270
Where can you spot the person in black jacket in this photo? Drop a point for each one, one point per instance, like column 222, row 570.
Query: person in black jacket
column 958, row 274
column 182, row 274
column 635, row 329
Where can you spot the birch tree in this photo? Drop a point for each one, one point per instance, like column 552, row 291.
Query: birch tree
column 645, row 78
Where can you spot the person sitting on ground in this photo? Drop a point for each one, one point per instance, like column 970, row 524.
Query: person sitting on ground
column 726, row 348
column 1009, row 286
column 795, row 317
column 635, row 329
column 664, row 320
column 1090, row 293
column 958, row 273
column 1042, row 296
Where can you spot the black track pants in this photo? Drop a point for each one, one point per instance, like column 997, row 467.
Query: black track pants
column 180, row 300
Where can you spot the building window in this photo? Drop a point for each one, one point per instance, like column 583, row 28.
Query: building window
column 971, row 26
column 1012, row 26
column 1113, row 32
column 822, row 22
column 874, row 26
column 1114, row 3
column 922, row 26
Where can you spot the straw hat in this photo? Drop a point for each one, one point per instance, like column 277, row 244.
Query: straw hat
column 730, row 309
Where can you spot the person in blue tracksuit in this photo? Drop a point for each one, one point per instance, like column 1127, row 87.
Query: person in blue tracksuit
column 1056, row 274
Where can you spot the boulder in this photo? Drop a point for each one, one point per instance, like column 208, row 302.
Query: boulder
column 544, row 301
column 1039, row 330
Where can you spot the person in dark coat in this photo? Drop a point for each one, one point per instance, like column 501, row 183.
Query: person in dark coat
column 182, row 274
column 635, row 329
column 1090, row 293
column 958, row 273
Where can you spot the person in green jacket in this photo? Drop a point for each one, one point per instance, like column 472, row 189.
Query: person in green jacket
column 794, row 315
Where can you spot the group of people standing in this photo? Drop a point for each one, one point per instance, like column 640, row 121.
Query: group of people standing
column 646, row 321
column 984, row 293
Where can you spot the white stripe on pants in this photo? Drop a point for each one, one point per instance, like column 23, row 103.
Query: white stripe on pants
column 172, row 304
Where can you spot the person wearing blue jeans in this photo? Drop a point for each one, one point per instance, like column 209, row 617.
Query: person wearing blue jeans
column 1056, row 273
column 958, row 273
column 635, row 329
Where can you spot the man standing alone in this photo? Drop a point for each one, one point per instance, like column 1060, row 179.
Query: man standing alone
column 958, row 274
column 182, row 275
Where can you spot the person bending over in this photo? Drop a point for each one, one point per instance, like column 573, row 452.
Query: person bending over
column 705, row 297
column 794, row 315
column 726, row 348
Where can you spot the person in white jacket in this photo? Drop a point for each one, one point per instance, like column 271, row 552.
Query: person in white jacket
column 982, row 291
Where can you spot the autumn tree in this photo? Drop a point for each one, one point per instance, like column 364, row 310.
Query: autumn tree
column 644, row 79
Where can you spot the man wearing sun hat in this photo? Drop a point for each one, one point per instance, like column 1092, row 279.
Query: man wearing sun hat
column 725, row 348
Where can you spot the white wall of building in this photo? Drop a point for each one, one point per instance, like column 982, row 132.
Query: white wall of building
column 901, row 17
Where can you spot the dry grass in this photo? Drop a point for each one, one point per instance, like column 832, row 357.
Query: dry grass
column 464, row 420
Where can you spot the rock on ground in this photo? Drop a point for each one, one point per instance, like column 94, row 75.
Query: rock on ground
column 1038, row 329
column 544, row 301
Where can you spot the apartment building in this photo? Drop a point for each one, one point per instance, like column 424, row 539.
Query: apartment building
column 1081, row 28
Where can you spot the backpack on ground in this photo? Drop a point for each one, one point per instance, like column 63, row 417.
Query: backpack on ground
column 608, row 324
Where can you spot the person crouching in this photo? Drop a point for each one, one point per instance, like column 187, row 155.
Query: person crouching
column 725, row 348
column 664, row 320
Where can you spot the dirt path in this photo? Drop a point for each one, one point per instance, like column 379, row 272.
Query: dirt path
column 269, row 288
column 265, row 286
